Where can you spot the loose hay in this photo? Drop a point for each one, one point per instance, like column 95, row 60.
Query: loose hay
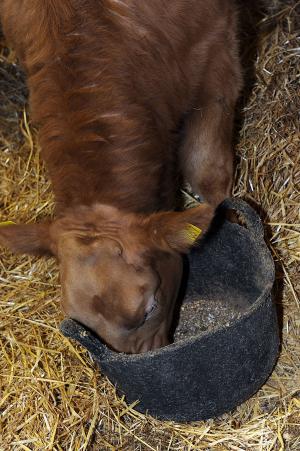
column 52, row 396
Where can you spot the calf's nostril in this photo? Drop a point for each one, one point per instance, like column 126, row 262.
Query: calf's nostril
column 151, row 305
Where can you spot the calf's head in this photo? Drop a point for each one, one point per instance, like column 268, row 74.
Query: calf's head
column 120, row 272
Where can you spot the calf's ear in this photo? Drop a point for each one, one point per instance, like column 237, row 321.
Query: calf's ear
column 34, row 239
column 180, row 230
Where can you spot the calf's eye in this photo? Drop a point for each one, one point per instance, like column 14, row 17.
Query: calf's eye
column 86, row 239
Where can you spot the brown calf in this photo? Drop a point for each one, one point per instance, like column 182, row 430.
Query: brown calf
column 110, row 82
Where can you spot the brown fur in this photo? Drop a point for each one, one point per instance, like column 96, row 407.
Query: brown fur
column 110, row 82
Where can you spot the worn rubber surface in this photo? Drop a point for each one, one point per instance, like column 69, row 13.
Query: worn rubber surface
column 207, row 375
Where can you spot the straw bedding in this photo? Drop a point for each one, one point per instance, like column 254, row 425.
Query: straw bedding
column 51, row 395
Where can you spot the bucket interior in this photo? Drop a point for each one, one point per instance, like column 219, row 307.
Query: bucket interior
column 223, row 277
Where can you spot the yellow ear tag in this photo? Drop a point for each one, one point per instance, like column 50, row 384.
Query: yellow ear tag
column 6, row 223
column 193, row 232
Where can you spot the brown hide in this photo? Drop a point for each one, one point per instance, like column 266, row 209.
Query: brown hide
column 110, row 83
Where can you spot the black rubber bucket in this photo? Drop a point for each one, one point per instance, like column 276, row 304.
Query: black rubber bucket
column 208, row 374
